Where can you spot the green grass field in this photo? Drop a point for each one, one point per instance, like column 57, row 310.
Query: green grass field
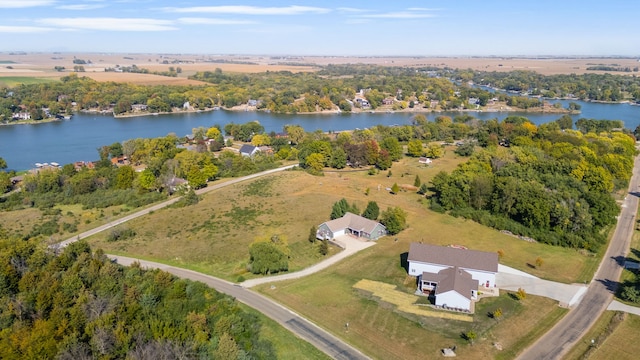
column 11, row 81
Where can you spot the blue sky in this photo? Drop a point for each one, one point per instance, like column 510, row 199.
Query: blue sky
column 383, row 28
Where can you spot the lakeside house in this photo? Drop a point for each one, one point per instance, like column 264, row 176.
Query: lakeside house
column 248, row 150
column 452, row 276
column 351, row 224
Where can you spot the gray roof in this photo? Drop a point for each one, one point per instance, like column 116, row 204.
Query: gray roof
column 457, row 280
column 442, row 255
column 354, row 222
column 247, row 149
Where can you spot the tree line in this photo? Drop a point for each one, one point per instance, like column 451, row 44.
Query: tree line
column 552, row 185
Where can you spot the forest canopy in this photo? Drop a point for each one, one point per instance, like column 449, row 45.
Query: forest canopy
column 81, row 305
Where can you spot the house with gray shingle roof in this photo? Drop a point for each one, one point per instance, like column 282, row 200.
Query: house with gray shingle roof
column 248, row 150
column 351, row 224
column 452, row 275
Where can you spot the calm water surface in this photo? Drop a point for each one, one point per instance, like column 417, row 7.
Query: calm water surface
column 78, row 139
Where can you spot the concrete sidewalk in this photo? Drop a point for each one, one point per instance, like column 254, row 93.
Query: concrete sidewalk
column 618, row 306
column 351, row 246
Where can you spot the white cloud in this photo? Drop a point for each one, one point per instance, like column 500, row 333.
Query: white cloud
column 399, row 15
column 110, row 24
column 213, row 21
column 358, row 21
column 251, row 10
column 352, row 10
column 14, row 4
column 23, row 29
column 80, row 7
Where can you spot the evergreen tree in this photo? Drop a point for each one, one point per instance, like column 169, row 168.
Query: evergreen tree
column 312, row 234
column 339, row 209
column 372, row 211
column 417, row 181
column 324, row 247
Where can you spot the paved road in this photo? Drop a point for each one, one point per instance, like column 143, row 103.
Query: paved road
column 566, row 333
column 165, row 204
column 300, row 326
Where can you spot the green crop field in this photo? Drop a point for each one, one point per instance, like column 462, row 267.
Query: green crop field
column 11, row 81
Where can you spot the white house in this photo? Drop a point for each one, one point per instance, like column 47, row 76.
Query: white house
column 452, row 275
column 248, row 150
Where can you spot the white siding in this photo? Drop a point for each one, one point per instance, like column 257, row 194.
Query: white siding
column 417, row 268
column 483, row 277
column 338, row 233
column 453, row 299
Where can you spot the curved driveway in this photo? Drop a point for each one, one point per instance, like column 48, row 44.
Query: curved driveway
column 295, row 323
column 568, row 331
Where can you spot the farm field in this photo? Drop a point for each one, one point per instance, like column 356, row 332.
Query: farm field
column 41, row 65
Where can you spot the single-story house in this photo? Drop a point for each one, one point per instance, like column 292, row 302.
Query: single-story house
column 248, row 150
column 351, row 224
column 453, row 273
column 424, row 160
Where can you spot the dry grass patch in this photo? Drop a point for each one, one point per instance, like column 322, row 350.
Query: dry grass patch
column 622, row 343
column 405, row 302
column 214, row 235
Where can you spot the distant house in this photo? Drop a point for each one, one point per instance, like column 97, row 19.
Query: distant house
column 248, row 150
column 424, row 160
column 177, row 184
column 362, row 102
column 452, row 275
column 387, row 101
column 253, row 102
column 351, row 224
column 23, row 115
column 267, row 150
column 119, row 161
column 139, row 107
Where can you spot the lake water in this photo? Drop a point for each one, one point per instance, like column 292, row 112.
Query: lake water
column 78, row 139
